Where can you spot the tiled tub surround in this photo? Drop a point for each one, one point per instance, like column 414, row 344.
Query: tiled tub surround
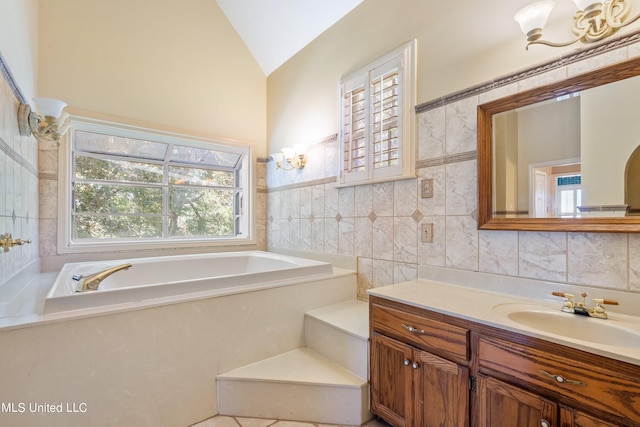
column 19, row 189
column 380, row 223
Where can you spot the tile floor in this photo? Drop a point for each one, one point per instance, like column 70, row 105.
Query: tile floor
column 223, row 421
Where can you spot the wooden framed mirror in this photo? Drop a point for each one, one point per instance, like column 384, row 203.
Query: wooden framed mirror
column 500, row 207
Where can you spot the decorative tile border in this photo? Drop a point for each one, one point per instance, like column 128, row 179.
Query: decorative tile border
column 521, row 75
column 322, row 181
column 452, row 158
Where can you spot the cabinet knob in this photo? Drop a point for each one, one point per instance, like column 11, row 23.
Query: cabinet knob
column 415, row 365
column 545, row 423
column 407, row 362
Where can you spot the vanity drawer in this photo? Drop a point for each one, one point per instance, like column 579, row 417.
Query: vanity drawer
column 427, row 334
column 583, row 383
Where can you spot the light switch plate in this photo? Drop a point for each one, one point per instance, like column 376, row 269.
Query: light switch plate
column 426, row 232
column 426, row 188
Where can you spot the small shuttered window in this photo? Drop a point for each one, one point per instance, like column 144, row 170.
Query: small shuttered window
column 377, row 120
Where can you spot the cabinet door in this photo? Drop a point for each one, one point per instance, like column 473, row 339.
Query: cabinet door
column 574, row 418
column 391, row 384
column 442, row 392
column 503, row 405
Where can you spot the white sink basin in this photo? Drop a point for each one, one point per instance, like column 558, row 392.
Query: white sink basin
column 612, row 332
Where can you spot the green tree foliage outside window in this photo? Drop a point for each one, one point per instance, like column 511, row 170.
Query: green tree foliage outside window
column 125, row 188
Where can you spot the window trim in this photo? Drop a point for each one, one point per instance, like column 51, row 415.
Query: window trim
column 65, row 243
column 406, row 54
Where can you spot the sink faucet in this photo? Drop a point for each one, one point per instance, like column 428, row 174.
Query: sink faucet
column 597, row 311
column 92, row 282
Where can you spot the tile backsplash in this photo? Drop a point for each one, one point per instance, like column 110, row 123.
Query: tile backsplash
column 381, row 223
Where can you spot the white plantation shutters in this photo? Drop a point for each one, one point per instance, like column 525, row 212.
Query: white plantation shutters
column 376, row 138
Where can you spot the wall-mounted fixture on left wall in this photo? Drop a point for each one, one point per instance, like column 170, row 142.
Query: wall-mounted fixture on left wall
column 46, row 127
column 7, row 242
column 293, row 158
column 594, row 20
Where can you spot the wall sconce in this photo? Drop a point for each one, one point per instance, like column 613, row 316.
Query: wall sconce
column 49, row 126
column 594, row 20
column 293, row 158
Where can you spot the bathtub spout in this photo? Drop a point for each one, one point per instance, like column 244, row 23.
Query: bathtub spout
column 92, row 282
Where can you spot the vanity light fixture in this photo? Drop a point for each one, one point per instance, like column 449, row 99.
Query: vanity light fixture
column 291, row 158
column 594, row 20
column 46, row 127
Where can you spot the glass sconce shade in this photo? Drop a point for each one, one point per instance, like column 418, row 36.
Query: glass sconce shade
column 535, row 15
column 583, row 4
column 50, row 107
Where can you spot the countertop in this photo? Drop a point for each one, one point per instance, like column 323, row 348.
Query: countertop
column 491, row 308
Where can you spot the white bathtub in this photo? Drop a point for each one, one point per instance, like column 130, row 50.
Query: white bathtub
column 180, row 278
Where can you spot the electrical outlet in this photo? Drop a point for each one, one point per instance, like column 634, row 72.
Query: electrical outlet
column 426, row 232
column 426, row 188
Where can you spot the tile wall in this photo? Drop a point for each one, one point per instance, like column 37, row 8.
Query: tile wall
column 380, row 223
column 18, row 183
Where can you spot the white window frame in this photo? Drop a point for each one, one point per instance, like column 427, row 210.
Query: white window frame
column 67, row 245
column 404, row 60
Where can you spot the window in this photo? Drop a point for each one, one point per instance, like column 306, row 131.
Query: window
column 132, row 186
column 569, row 195
column 377, row 120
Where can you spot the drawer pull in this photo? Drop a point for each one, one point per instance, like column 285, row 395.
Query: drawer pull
column 563, row 380
column 413, row 330
column 545, row 423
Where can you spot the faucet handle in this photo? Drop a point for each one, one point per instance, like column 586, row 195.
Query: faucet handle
column 605, row 301
column 568, row 306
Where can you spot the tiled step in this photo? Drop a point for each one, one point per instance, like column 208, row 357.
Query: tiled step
column 300, row 385
column 340, row 332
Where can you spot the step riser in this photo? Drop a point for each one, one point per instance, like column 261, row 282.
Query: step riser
column 343, row 348
column 296, row 402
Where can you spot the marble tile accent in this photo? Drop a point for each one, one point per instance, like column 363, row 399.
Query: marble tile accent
column 383, row 199
column 346, row 201
column 382, row 273
column 331, row 201
column 383, row 239
column 634, row 262
column 543, row 255
column 461, row 188
column 405, row 240
column 462, row 243
column 363, row 200
column 365, row 275
column 404, row 272
column 431, row 134
column 598, row 259
column 363, row 238
column 331, row 232
column 404, row 197
column 461, row 126
column 498, row 252
column 346, row 236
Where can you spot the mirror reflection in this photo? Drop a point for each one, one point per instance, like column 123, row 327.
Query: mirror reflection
column 574, row 156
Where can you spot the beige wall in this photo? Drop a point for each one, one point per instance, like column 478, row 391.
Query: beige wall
column 180, row 65
column 19, row 41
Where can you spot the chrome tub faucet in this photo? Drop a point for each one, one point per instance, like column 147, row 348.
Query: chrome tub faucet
column 92, row 282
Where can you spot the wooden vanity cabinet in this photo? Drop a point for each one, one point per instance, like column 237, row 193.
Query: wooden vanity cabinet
column 419, row 369
column 429, row 369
